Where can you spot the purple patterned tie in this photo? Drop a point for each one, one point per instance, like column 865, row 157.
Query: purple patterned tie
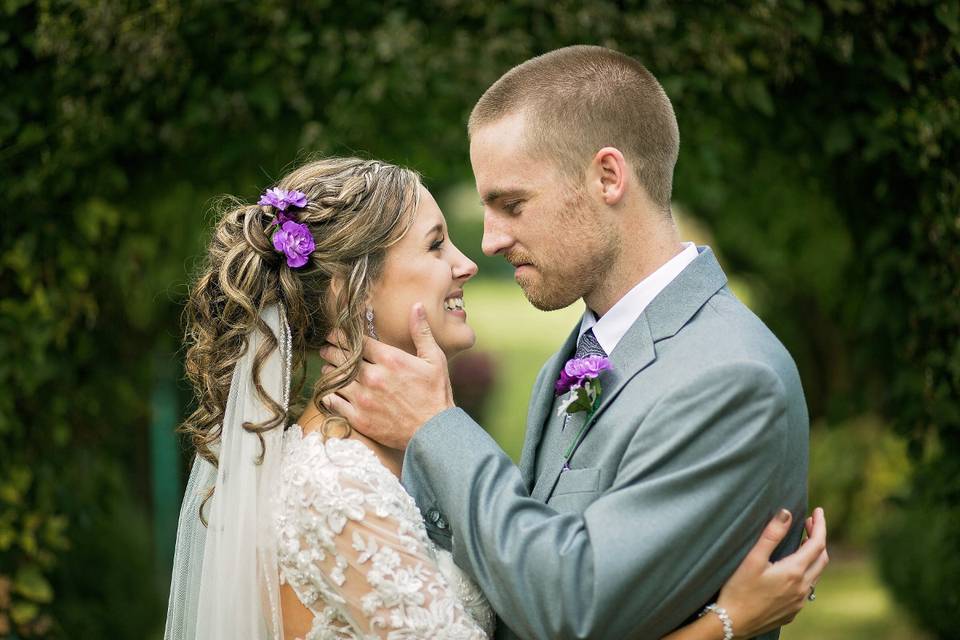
column 587, row 345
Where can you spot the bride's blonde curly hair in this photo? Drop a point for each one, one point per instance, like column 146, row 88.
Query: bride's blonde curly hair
column 356, row 210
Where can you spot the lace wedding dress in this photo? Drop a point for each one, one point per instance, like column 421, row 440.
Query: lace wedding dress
column 353, row 546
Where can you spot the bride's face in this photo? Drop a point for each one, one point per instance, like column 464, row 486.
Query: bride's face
column 424, row 266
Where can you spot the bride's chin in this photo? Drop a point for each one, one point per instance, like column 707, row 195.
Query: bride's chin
column 456, row 345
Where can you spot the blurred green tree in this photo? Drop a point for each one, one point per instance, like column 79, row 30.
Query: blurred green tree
column 820, row 141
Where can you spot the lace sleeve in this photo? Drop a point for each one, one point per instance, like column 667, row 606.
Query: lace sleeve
column 353, row 547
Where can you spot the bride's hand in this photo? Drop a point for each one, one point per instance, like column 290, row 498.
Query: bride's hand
column 763, row 595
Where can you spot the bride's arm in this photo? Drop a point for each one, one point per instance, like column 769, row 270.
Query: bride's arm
column 353, row 540
column 763, row 595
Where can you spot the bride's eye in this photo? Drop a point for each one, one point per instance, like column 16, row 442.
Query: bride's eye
column 436, row 244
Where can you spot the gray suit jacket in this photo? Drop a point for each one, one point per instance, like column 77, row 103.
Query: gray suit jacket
column 700, row 437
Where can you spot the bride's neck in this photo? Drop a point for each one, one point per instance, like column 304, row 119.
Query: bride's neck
column 311, row 419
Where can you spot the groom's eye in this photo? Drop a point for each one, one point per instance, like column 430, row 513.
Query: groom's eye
column 512, row 207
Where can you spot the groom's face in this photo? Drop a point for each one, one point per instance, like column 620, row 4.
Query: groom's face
column 547, row 225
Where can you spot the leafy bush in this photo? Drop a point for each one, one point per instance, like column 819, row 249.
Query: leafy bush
column 919, row 561
column 107, row 586
column 854, row 468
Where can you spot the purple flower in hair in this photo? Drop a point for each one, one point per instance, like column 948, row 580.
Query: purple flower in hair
column 281, row 199
column 281, row 217
column 295, row 242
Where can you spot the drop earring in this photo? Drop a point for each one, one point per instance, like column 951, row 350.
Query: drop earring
column 371, row 331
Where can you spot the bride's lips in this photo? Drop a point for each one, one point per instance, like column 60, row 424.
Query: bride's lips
column 453, row 304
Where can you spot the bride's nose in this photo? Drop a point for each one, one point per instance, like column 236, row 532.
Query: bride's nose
column 463, row 267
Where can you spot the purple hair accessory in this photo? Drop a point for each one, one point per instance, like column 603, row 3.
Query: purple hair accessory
column 295, row 241
column 291, row 238
column 281, row 199
column 281, row 217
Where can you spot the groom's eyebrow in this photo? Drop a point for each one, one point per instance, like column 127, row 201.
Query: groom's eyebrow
column 496, row 194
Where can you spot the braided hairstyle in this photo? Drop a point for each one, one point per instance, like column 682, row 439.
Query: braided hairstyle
column 356, row 210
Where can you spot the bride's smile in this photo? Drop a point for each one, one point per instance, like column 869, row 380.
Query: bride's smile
column 424, row 266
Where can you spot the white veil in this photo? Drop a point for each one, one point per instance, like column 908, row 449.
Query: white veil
column 225, row 582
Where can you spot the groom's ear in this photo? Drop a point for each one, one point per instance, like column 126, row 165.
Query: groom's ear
column 610, row 175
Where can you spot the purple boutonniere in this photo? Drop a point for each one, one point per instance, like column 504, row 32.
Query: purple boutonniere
column 580, row 378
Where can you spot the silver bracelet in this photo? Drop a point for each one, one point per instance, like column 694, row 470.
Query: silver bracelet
column 724, row 618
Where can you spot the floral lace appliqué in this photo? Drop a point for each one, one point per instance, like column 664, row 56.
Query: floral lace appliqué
column 353, row 547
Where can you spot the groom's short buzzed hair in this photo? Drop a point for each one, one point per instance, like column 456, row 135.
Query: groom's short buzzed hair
column 580, row 99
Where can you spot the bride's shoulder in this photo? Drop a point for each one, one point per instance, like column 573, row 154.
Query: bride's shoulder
column 341, row 476
column 310, row 452
column 335, row 451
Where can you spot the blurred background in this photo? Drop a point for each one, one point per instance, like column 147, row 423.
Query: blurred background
column 819, row 158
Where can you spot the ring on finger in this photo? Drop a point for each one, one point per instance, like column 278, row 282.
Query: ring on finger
column 812, row 595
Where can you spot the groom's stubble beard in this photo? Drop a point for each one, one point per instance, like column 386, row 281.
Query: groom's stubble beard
column 580, row 255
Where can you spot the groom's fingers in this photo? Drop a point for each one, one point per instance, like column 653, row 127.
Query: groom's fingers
column 333, row 354
column 337, row 338
column 427, row 348
column 330, row 370
column 340, row 406
column 337, row 357
column 376, row 352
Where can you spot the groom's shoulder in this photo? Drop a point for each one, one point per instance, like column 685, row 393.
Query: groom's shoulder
column 726, row 330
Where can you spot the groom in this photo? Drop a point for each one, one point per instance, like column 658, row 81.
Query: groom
column 625, row 524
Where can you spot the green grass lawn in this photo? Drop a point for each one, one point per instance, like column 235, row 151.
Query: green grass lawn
column 851, row 602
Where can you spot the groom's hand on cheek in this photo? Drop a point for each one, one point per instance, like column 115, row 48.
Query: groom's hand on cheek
column 395, row 393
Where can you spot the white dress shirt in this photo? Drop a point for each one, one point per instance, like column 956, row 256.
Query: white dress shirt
column 614, row 324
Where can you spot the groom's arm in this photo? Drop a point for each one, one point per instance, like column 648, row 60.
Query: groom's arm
column 695, row 487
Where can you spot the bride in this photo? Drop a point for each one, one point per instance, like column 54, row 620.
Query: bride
column 304, row 530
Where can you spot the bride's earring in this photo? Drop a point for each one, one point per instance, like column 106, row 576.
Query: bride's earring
column 370, row 328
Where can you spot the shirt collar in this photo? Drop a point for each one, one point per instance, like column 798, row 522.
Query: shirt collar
column 614, row 324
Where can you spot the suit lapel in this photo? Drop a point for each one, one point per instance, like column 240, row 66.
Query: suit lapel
column 662, row 318
column 632, row 354
column 541, row 401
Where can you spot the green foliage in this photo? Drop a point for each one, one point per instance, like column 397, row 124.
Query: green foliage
column 919, row 561
column 820, row 141
column 107, row 586
column 854, row 467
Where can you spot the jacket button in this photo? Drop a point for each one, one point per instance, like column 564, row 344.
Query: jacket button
column 441, row 523
column 433, row 516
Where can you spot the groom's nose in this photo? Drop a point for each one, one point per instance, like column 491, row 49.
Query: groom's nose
column 496, row 237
